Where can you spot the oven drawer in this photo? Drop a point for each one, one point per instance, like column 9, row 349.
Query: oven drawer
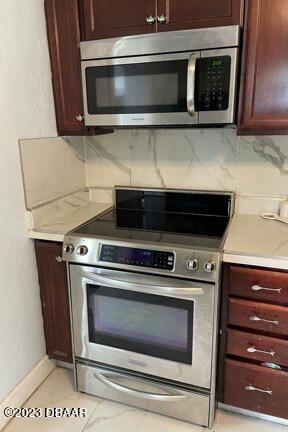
column 257, row 347
column 256, row 388
column 257, row 284
column 143, row 393
column 257, row 316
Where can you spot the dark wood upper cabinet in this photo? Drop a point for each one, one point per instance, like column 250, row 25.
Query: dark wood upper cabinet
column 55, row 300
column 264, row 83
column 116, row 18
column 187, row 14
column 63, row 30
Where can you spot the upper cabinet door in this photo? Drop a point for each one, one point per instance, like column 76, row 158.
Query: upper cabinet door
column 64, row 45
column 116, row 18
column 264, row 80
column 187, row 14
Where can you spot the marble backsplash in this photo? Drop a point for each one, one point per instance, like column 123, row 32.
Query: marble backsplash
column 52, row 168
column 255, row 168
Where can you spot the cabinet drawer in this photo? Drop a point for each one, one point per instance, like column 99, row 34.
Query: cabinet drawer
column 258, row 316
column 256, row 388
column 263, row 285
column 257, row 347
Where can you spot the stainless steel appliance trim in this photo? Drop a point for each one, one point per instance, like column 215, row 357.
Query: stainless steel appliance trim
column 134, row 266
column 191, row 77
column 195, row 407
column 182, row 255
column 141, row 119
column 129, row 283
column 197, row 374
column 157, row 43
column 142, row 59
column 105, row 378
column 227, row 116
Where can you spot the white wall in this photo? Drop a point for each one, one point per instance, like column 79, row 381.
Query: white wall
column 26, row 110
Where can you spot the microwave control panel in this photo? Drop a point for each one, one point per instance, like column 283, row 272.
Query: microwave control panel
column 213, row 83
column 137, row 257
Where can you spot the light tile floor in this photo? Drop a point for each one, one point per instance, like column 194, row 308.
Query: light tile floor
column 106, row 416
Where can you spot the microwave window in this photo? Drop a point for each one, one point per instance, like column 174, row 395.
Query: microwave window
column 137, row 88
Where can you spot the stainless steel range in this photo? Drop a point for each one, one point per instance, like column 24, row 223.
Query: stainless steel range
column 144, row 285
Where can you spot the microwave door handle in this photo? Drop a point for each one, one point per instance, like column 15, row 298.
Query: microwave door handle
column 148, row 288
column 191, row 77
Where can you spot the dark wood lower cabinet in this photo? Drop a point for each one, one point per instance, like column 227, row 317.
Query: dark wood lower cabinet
column 256, row 388
column 253, row 352
column 55, row 300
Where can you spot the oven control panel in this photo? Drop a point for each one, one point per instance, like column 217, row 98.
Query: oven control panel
column 137, row 257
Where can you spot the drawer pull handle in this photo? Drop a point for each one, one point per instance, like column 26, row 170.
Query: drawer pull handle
column 256, row 318
column 253, row 350
column 58, row 258
column 260, row 288
column 252, row 388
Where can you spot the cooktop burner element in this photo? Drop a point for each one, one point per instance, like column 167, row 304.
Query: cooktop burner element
column 143, row 215
column 190, row 225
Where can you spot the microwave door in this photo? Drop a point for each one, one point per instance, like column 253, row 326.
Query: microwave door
column 156, row 90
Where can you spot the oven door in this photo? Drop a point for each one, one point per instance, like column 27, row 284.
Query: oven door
column 140, row 91
column 153, row 325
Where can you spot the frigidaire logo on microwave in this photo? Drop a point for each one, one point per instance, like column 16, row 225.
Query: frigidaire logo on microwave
column 138, row 363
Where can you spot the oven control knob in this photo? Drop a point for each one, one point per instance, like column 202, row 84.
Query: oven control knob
column 192, row 265
column 82, row 250
column 209, row 267
column 68, row 249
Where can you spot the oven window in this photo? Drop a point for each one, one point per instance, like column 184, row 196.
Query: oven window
column 137, row 88
column 144, row 323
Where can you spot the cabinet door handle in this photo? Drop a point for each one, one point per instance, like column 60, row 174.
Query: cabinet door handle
column 260, row 288
column 256, row 318
column 162, row 19
column 253, row 350
column 252, row 388
column 58, row 258
column 150, row 20
column 79, row 118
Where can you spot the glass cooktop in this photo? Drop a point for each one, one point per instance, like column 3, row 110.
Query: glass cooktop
column 181, row 218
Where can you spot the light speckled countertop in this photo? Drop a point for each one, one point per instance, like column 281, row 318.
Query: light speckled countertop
column 255, row 241
column 251, row 240
column 56, row 228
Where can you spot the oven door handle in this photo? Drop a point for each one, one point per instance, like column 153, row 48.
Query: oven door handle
column 191, row 77
column 147, row 288
column 105, row 378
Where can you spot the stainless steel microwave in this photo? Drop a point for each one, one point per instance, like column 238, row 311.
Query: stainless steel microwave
column 182, row 78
